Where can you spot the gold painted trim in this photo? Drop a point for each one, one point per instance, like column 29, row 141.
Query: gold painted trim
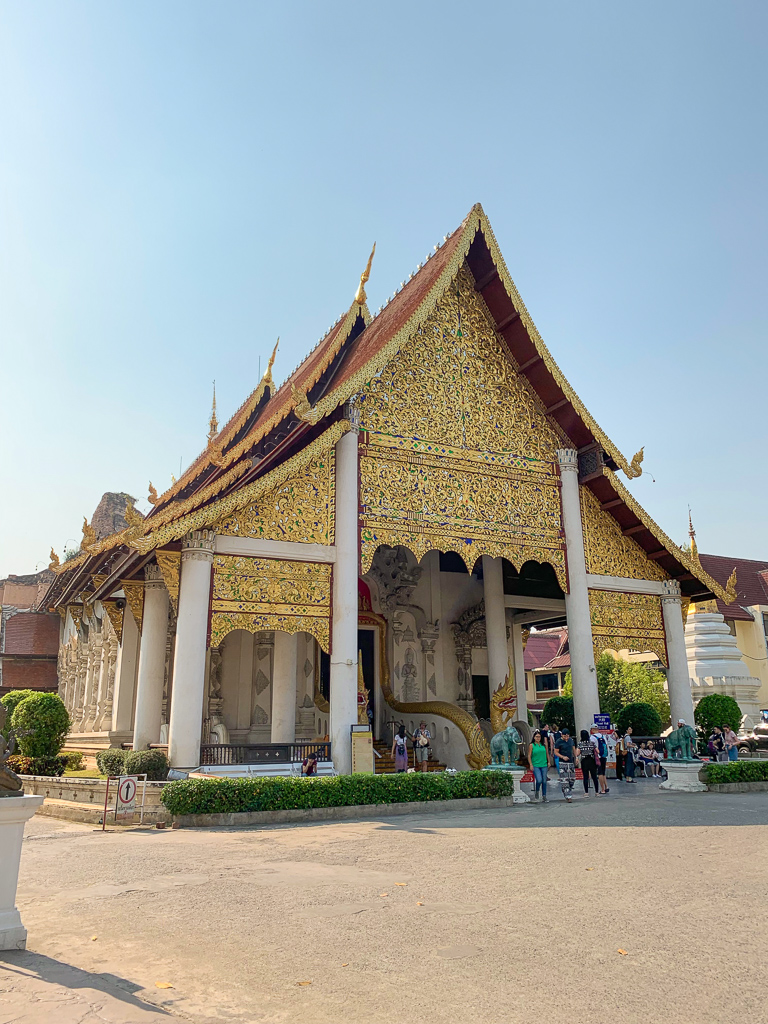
column 684, row 557
column 115, row 616
column 134, row 595
column 170, row 566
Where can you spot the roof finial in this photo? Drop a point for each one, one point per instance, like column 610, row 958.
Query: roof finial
column 213, row 423
column 360, row 296
column 692, row 535
column 267, row 378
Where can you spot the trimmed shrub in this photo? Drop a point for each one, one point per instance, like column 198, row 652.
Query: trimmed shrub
column 558, row 711
column 9, row 702
column 153, row 762
column 736, row 771
column 644, row 719
column 41, row 723
column 75, row 760
column 111, row 761
column 716, row 709
column 224, row 796
column 25, row 765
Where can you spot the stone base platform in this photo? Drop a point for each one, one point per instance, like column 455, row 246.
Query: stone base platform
column 683, row 777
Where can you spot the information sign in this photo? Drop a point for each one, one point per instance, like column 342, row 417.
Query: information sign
column 126, row 797
column 362, row 751
column 602, row 722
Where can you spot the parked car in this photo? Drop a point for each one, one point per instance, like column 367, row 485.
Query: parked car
column 756, row 739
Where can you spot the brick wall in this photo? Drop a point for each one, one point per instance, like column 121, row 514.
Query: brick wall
column 30, row 675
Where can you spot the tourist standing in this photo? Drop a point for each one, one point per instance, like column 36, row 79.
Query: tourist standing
column 555, row 736
column 566, row 757
column 731, row 743
column 538, row 759
column 588, row 761
column 716, row 745
column 400, row 750
column 421, row 740
column 602, row 760
column 620, row 754
column 629, row 753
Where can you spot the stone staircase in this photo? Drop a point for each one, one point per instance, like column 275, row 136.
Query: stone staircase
column 385, row 763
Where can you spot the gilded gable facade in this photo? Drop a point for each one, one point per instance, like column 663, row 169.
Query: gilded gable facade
column 457, row 453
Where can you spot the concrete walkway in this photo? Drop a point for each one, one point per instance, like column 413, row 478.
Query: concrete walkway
column 608, row 907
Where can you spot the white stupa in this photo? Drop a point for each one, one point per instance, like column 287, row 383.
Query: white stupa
column 714, row 660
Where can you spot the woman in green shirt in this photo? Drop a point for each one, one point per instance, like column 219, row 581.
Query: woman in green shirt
column 538, row 759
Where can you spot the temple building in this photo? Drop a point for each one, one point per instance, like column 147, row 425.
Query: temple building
column 371, row 539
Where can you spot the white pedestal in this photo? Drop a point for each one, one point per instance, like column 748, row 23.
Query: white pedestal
column 15, row 811
column 519, row 797
column 682, row 776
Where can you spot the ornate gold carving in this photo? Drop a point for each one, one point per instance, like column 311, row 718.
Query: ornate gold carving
column 213, row 422
column 170, row 563
column 693, row 565
column 300, row 508
column 98, row 578
column 362, row 693
column 302, row 407
column 89, row 535
column 132, row 515
column 634, row 469
column 266, row 593
column 134, row 595
column 115, row 615
column 627, row 621
column 479, row 751
column 76, row 611
column 607, row 551
column 360, row 296
column 459, row 453
column 730, row 588
column 504, row 703
column 320, row 702
column 152, row 497
column 54, row 560
column 221, row 509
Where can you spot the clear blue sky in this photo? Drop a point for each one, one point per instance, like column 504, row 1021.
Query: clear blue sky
column 180, row 183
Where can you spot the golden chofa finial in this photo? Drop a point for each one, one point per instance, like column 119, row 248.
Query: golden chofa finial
column 730, row 588
column 54, row 560
column 635, row 468
column 692, row 535
column 152, row 497
column 360, row 296
column 213, row 423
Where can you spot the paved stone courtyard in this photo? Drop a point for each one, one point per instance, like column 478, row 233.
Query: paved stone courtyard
column 510, row 915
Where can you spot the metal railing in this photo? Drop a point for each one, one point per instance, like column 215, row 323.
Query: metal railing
column 262, row 753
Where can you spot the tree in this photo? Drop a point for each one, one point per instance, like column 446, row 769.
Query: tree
column 623, row 682
column 644, row 719
column 558, row 711
column 716, row 709
column 9, row 702
column 41, row 723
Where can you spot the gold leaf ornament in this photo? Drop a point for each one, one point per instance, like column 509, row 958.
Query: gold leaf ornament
column 302, row 408
column 132, row 515
column 89, row 534
column 55, row 561
column 152, row 497
column 730, row 589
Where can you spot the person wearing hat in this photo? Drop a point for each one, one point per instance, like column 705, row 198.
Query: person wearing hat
column 421, row 740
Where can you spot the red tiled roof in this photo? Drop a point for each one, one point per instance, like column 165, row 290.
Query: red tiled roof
column 562, row 661
column 751, row 585
column 32, row 633
column 543, row 647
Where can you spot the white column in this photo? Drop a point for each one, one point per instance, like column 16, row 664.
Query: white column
column 14, row 812
column 586, row 702
column 345, row 574
column 678, row 677
column 125, row 678
column 149, row 689
column 284, row 687
column 188, row 690
column 518, row 660
column 495, row 622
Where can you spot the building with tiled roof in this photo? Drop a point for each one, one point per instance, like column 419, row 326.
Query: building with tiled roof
column 29, row 638
column 424, row 486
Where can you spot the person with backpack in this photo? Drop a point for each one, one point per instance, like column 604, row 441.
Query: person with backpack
column 400, row 750
column 587, row 760
column 602, row 760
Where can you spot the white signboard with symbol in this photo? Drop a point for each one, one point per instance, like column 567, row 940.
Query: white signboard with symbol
column 126, row 797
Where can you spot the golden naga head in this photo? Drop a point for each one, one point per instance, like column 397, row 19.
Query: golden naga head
column 635, row 468
column 132, row 515
column 55, row 560
column 360, row 296
column 89, row 534
column 152, row 497
column 304, row 411
column 731, row 593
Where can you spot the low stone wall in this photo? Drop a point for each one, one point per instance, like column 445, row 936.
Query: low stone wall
column 83, row 799
column 339, row 813
column 739, row 787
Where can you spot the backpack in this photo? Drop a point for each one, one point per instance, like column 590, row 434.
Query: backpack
column 602, row 746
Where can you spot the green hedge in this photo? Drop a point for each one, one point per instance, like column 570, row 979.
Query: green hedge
column 224, row 796
column 111, row 760
column 737, row 771
column 153, row 762
column 22, row 764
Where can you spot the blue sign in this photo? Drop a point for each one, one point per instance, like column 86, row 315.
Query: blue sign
column 602, row 722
